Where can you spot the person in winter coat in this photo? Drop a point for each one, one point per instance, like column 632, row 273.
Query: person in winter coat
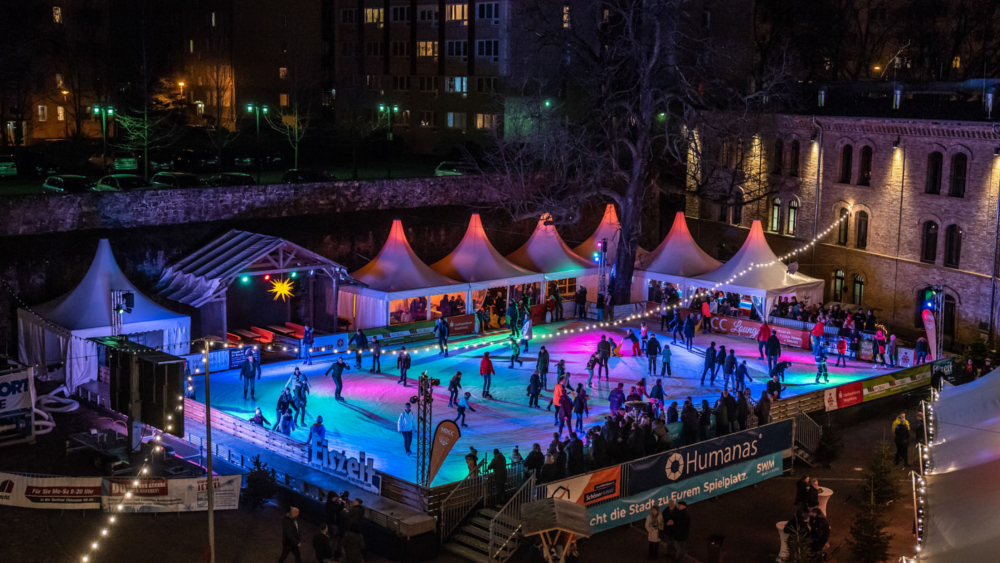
column 689, row 420
column 729, row 370
column 442, row 330
column 819, row 534
column 580, row 407
column 704, row 420
column 665, row 368
column 652, row 351
column 673, row 414
column 574, row 455
column 557, row 393
column 534, row 390
column 249, row 373
column 720, row 362
column 802, row 491
column 360, row 342
column 376, row 355
column 821, row 369
column 498, row 476
column 306, row 346
column 591, row 364
column 679, row 525
column 487, row 372
column 335, row 371
column 689, row 328
column 617, row 398
column 657, row 397
column 454, row 386
column 631, row 337
column 534, row 462
column 654, row 526
column 290, row 537
column 779, row 370
column 774, row 388
column 284, row 403
column 763, row 409
column 773, row 350
column 542, row 366
column 300, row 389
column 512, row 320
column 706, row 317
column 463, row 404
column 258, row 418
column 730, row 402
column 526, row 333
column 405, row 425
column 603, row 355
column 287, row 423
column 841, row 352
column 709, row 363
column 549, row 473
column 742, row 410
column 565, row 411
column 677, row 327
column 763, row 333
column 353, row 545
column 721, row 418
column 921, row 350
column 403, row 364
column 515, row 352
column 742, row 376
column 892, row 352
column 901, row 435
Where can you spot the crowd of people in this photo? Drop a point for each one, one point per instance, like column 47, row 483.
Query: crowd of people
column 808, row 526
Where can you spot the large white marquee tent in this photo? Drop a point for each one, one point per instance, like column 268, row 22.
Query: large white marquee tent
column 476, row 262
column 677, row 259
column 546, row 252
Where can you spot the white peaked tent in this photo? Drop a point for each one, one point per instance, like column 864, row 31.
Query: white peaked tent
column 962, row 522
column 764, row 283
column 546, row 252
column 395, row 273
column 675, row 260
column 476, row 262
column 57, row 331
column 610, row 229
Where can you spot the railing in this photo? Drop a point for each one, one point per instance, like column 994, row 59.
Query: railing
column 807, row 431
column 506, row 525
column 463, row 499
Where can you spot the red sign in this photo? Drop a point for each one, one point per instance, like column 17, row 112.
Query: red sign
column 748, row 329
column 845, row 396
column 461, row 324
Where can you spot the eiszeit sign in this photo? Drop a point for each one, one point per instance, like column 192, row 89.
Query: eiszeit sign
column 359, row 471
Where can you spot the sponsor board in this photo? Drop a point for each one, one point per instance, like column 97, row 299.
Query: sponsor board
column 358, row 471
column 881, row 386
column 170, row 495
column 737, row 326
column 63, row 493
column 843, row 396
column 588, row 489
column 239, row 355
column 445, row 436
column 705, row 486
column 17, row 393
column 705, row 457
column 461, row 324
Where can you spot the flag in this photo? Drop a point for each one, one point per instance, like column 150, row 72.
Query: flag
column 445, row 436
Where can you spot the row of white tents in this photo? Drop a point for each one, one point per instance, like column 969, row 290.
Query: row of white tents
column 397, row 274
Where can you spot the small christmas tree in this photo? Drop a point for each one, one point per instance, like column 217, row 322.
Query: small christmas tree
column 831, row 444
column 799, row 544
column 868, row 539
column 882, row 481
column 262, row 485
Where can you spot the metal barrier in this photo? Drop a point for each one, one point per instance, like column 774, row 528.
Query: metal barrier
column 807, row 431
column 463, row 499
column 506, row 525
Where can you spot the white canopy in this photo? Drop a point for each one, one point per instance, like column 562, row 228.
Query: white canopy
column 766, row 282
column 477, row 263
column 610, row 229
column 963, row 486
column 56, row 331
column 676, row 258
column 395, row 273
column 546, row 252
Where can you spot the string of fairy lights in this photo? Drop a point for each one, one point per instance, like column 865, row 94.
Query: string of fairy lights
column 919, row 485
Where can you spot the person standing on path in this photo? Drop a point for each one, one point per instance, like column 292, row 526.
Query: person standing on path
column 249, row 372
column 463, row 404
column 336, row 371
column 405, row 425
column 321, row 545
column 652, row 351
column 680, row 526
column 542, row 367
column 901, row 435
column 360, row 342
column 773, row 350
column 603, row 355
column 376, row 355
column 453, row 388
column 403, row 364
column 763, row 333
column 306, row 346
column 290, row 538
column 441, row 330
column 654, row 525
column 709, row 363
column 487, row 372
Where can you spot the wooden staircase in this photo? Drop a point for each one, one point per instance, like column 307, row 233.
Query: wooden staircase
column 472, row 540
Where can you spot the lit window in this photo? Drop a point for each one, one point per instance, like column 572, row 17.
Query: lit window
column 793, row 217
column 456, row 84
column 43, row 113
column 859, row 289
column 861, row 225
column 60, row 113
column 200, row 107
column 486, row 120
column 952, row 246
column 844, row 227
column 775, row 222
column 60, row 81
column 191, row 45
column 838, row 286
column 566, row 17
column 488, row 11
column 956, row 62
column 865, row 176
column 283, row 100
column 373, row 15
column 56, row 14
column 457, row 13
column 427, row 119
column 213, row 19
column 456, row 120
column 427, row 49
column 283, row 72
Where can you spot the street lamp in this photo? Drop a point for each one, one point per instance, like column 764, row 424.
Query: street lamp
column 181, row 84
column 257, row 110
column 104, row 112
column 388, row 111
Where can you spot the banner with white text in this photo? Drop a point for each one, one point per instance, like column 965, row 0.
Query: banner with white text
column 171, row 495
column 63, row 493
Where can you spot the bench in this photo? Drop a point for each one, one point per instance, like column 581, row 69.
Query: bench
column 248, row 336
column 264, row 335
column 232, row 338
column 298, row 331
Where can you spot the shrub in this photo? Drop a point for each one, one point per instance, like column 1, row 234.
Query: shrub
column 831, row 445
column 882, row 481
column 868, row 539
column 262, row 485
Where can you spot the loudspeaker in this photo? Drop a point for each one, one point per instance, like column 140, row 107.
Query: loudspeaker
column 148, row 386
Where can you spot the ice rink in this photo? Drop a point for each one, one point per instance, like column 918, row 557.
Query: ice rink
column 366, row 421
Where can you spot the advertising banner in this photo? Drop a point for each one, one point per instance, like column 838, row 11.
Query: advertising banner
column 63, row 493
column 239, row 355
column 746, row 328
column 17, row 393
column 461, row 324
column 690, row 490
column 705, row 457
column 930, row 325
column 445, row 436
column 877, row 387
column 171, row 495
column 588, row 489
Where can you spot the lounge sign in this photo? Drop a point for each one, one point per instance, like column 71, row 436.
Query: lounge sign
column 748, row 329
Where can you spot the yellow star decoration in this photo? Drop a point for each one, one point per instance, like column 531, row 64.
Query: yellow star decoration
column 281, row 288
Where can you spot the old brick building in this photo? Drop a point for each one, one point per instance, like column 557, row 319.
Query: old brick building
column 925, row 203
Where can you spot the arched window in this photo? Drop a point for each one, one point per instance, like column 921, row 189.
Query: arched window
column 793, row 217
column 793, row 160
column 838, row 286
column 861, row 240
column 779, row 153
column 928, row 252
column 934, row 163
column 738, row 208
column 952, row 246
column 865, row 174
column 846, row 164
column 775, row 222
column 959, row 163
column 859, row 290
column 844, row 227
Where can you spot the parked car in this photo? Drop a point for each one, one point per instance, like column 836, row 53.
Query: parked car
column 305, row 176
column 452, row 168
column 8, row 166
column 115, row 161
column 67, row 183
column 190, row 160
column 35, row 164
column 232, row 179
column 176, row 180
column 120, row 183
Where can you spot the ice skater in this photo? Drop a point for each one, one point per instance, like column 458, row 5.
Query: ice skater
column 821, row 369
column 376, row 355
column 300, row 389
column 542, row 366
column 360, row 342
column 534, row 390
column 258, row 418
column 453, row 388
column 742, row 376
column 403, row 364
column 487, row 372
column 526, row 330
column 249, row 372
column 336, row 371
column 284, row 402
column 652, row 349
column 441, row 329
column 405, row 425
column 463, row 404
column 515, row 352
column 665, row 367
column 306, row 347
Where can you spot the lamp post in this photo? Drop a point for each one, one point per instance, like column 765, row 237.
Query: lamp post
column 388, row 111
column 104, row 112
column 181, row 84
column 257, row 110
